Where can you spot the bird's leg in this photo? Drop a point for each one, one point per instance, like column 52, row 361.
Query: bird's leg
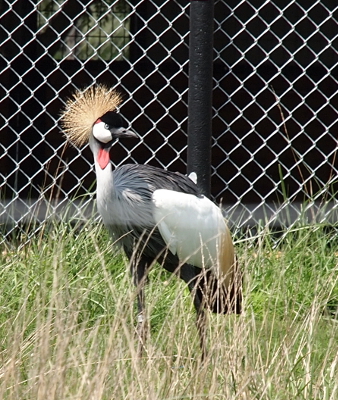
column 201, row 328
column 188, row 274
column 139, row 271
column 142, row 325
column 201, row 323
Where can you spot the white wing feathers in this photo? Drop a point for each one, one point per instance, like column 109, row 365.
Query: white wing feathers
column 194, row 229
column 193, row 177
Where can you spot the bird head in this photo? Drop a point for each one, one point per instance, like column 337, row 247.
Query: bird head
column 109, row 127
column 90, row 116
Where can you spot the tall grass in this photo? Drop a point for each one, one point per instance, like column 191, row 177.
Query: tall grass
column 67, row 323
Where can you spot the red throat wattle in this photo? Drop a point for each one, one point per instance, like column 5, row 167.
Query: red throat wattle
column 103, row 158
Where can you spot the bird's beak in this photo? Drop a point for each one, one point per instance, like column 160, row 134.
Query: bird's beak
column 121, row 133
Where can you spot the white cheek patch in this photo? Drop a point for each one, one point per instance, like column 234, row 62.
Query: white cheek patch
column 101, row 133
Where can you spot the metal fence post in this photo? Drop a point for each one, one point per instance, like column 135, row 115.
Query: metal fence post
column 200, row 91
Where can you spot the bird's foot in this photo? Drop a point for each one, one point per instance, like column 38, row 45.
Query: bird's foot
column 142, row 332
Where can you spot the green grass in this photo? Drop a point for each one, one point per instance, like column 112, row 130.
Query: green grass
column 67, row 323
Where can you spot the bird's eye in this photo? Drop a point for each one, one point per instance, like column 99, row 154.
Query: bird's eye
column 106, row 126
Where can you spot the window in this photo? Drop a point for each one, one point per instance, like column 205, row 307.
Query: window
column 73, row 30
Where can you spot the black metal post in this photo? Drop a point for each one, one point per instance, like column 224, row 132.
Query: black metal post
column 200, row 91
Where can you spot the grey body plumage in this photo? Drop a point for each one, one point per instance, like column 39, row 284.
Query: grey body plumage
column 127, row 207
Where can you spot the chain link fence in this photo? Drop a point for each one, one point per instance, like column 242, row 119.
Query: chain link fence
column 274, row 103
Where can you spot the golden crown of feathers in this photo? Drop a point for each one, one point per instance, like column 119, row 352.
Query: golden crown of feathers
column 84, row 108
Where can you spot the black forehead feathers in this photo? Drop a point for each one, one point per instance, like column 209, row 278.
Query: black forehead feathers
column 112, row 119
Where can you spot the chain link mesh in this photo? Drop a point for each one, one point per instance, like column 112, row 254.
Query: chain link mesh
column 275, row 102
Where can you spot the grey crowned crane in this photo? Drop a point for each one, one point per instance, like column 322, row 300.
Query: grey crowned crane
column 156, row 215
